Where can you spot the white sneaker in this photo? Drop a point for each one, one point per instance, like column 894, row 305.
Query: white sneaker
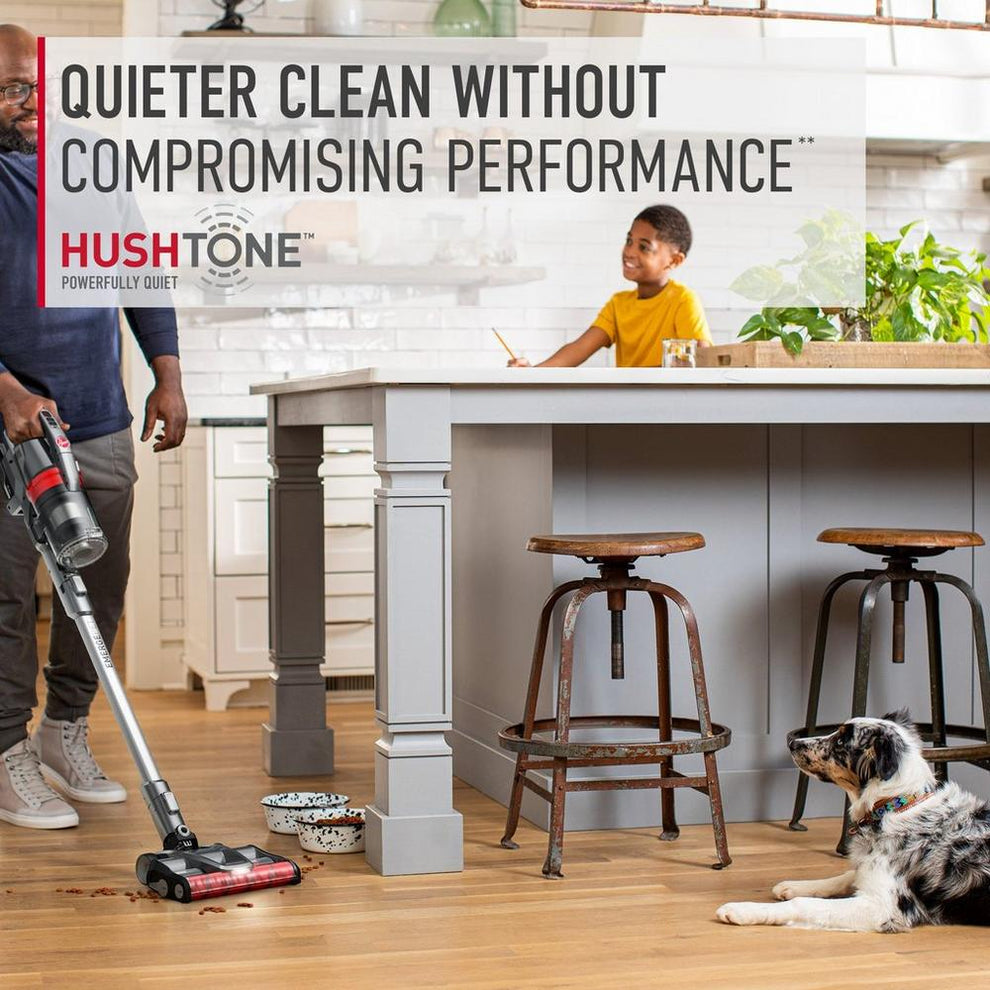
column 25, row 798
column 66, row 760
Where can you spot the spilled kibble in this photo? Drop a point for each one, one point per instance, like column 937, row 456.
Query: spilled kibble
column 244, row 904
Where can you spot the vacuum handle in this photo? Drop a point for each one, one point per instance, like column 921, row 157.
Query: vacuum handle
column 60, row 450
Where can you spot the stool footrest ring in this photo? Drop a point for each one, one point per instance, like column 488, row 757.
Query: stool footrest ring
column 511, row 738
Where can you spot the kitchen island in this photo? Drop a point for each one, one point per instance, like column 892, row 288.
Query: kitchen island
column 473, row 462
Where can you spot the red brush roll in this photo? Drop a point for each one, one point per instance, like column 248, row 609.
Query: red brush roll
column 217, row 884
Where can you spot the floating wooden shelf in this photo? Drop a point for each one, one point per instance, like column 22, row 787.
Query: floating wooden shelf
column 466, row 280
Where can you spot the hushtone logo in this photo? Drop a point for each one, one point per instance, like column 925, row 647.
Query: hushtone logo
column 222, row 256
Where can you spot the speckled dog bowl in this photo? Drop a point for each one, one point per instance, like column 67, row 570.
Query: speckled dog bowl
column 279, row 808
column 340, row 830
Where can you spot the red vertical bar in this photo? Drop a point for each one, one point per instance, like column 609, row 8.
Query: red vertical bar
column 41, row 172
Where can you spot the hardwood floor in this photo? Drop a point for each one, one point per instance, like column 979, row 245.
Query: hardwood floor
column 632, row 912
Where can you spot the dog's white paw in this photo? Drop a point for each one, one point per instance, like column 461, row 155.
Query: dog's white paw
column 742, row 913
column 787, row 890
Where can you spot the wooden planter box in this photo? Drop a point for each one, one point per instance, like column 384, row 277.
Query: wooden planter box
column 844, row 354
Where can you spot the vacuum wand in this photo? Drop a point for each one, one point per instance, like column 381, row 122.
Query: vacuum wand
column 43, row 484
column 164, row 809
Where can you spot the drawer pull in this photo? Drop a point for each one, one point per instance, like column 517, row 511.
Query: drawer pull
column 346, row 451
column 349, row 622
column 349, row 526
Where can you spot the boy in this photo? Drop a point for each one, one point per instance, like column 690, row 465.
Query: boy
column 638, row 320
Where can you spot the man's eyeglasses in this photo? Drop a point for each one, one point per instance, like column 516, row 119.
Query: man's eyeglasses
column 17, row 94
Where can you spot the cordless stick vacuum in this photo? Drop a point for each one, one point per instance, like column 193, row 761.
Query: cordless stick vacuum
column 43, row 484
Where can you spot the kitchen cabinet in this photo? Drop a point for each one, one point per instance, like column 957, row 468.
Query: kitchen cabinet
column 225, row 556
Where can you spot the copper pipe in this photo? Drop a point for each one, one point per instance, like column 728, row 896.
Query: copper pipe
column 706, row 9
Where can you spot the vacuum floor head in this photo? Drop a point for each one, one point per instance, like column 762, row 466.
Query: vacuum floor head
column 212, row 871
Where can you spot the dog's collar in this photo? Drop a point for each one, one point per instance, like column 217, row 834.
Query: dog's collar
column 885, row 805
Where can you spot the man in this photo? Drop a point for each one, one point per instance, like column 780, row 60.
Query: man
column 67, row 361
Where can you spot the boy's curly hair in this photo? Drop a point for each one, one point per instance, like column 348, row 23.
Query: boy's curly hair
column 670, row 224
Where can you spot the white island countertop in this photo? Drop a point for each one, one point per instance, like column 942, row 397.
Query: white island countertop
column 631, row 376
column 639, row 395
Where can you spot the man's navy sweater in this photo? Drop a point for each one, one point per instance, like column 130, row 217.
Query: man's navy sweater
column 69, row 355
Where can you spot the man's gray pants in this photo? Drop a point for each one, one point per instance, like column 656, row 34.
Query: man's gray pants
column 107, row 464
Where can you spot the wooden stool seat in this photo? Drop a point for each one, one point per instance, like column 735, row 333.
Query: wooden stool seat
column 918, row 542
column 616, row 546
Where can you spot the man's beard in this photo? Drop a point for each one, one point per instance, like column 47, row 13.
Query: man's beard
column 11, row 139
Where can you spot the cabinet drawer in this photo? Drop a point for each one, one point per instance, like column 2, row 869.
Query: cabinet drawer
column 241, row 452
column 347, row 436
column 349, row 548
column 242, row 624
column 241, row 525
column 360, row 486
column 344, row 461
column 241, row 528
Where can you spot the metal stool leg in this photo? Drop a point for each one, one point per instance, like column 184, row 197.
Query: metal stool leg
column 861, row 678
column 935, row 673
column 669, row 829
column 529, row 712
column 815, row 687
column 980, row 639
column 704, row 717
column 555, row 845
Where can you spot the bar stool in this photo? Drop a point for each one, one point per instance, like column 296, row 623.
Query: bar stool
column 614, row 555
column 901, row 549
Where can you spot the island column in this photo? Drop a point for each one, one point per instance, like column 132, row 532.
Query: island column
column 412, row 826
column 296, row 740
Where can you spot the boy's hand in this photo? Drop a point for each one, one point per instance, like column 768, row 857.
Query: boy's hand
column 518, row 363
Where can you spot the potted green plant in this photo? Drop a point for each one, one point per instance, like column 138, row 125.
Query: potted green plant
column 924, row 291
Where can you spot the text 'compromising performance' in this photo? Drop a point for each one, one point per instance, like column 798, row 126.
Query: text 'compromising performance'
column 511, row 165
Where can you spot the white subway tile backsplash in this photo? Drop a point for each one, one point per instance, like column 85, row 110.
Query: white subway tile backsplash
column 172, row 613
column 350, row 340
column 200, row 384
column 418, row 339
column 222, row 360
column 977, row 222
column 223, row 406
column 170, row 473
column 197, row 338
column 239, row 383
column 246, row 339
column 170, row 519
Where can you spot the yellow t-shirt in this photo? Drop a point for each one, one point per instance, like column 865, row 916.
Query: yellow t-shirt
column 637, row 326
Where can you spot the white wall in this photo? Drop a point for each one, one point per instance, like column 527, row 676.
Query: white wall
column 66, row 18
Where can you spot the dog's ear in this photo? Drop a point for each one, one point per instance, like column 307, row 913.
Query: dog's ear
column 880, row 756
column 887, row 748
column 902, row 717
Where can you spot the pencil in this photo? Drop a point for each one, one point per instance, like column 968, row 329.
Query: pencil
column 504, row 344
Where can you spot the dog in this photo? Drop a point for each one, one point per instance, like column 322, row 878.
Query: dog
column 920, row 850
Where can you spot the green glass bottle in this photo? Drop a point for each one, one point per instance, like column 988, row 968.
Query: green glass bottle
column 504, row 18
column 462, row 19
